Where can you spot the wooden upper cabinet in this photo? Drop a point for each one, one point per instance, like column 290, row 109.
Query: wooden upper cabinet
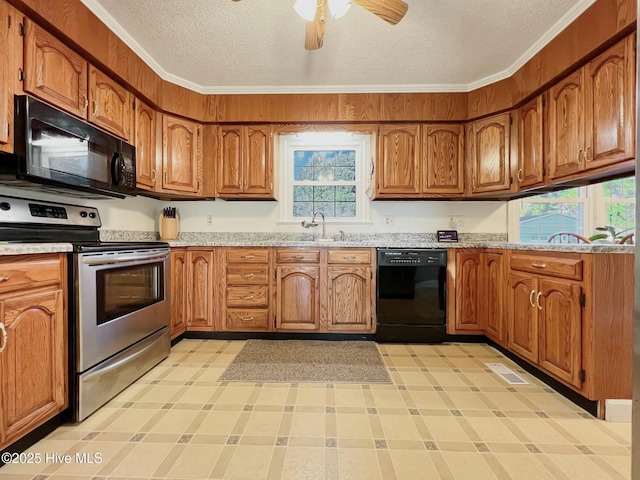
column 350, row 300
column 245, row 161
column 398, row 161
column 490, row 144
column 53, row 72
column 530, row 150
column 610, row 106
column 443, row 159
column 145, row 143
column 560, row 328
column 522, row 321
column 111, row 105
column 181, row 155
column 566, row 126
column 297, row 297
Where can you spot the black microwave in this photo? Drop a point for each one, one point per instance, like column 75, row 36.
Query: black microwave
column 59, row 151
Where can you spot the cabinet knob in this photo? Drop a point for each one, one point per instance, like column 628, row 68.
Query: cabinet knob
column 84, row 102
column 4, row 337
column 95, row 109
column 531, row 298
column 586, row 153
column 153, row 175
column 4, row 278
column 520, row 175
column 579, row 156
column 538, row 301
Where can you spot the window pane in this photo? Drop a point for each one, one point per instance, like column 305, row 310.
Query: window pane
column 345, row 209
column 538, row 221
column 326, row 208
column 346, row 193
column 346, row 158
column 323, row 174
column 302, row 193
column 324, row 194
column 302, row 209
column 302, row 173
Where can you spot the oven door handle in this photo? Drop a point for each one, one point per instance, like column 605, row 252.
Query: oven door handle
column 118, row 363
column 122, row 259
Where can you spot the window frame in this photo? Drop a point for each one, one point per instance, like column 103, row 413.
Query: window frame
column 329, row 141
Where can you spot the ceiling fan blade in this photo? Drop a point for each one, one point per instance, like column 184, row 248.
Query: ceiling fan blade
column 391, row 11
column 315, row 30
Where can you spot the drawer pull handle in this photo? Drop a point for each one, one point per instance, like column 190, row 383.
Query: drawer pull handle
column 247, row 256
column 298, row 257
column 539, row 265
column 4, row 337
column 247, row 297
column 531, row 298
column 520, row 175
column 4, row 278
column 579, row 156
column 246, row 319
column 349, row 257
column 538, row 301
column 247, row 275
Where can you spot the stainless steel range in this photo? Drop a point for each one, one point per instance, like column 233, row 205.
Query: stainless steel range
column 119, row 304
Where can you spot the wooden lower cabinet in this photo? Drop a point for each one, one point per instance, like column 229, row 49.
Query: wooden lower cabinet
column 350, row 303
column 34, row 363
column 297, row 297
column 179, row 276
column 200, row 302
column 522, row 326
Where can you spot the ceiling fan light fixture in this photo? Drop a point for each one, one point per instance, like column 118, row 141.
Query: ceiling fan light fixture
column 306, row 9
column 338, row 8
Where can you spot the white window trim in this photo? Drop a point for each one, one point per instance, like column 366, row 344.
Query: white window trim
column 325, row 141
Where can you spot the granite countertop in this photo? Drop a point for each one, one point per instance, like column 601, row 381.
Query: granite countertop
column 33, row 248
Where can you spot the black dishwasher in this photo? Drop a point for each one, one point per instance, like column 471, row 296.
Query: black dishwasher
column 411, row 295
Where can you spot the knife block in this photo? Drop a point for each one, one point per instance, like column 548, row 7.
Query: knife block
column 169, row 227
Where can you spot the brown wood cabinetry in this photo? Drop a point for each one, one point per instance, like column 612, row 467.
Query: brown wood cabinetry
column 530, row 144
column 11, row 46
column 398, row 161
column 443, row 159
column 146, row 148
column 60, row 76
column 350, row 298
column 480, row 293
column 522, row 324
column 33, row 363
column 245, row 162
column 248, row 289
column 591, row 113
column 179, row 291
column 298, row 297
column 200, row 301
column 489, row 150
column 181, row 155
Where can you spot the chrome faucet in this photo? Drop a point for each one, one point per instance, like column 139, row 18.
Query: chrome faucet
column 313, row 223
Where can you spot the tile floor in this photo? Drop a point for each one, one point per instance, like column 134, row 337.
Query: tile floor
column 446, row 416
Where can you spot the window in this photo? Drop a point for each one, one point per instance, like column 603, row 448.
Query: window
column 324, row 172
column 579, row 210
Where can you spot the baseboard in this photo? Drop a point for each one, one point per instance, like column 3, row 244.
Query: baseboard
column 277, row 336
column 617, row 410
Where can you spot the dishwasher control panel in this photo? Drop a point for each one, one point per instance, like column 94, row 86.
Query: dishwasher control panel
column 412, row 257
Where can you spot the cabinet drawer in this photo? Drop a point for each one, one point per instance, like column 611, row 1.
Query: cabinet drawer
column 349, row 256
column 247, row 274
column 18, row 272
column 247, row 319
column 247, row 255
column 249, row 296
column 298, row 256
column 565, row 266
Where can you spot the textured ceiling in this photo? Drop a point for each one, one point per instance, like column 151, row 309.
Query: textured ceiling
column 257, row 46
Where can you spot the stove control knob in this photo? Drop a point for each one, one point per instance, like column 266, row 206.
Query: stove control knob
column 4, row 206
column 83, row 214
column 92, row 215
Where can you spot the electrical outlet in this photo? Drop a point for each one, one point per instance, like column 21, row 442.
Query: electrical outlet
column 209, row 219
column 390, row 221
column 460, row 220
column 452, row 222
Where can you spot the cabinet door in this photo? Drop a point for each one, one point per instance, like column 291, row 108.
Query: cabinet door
column 12, row 47
column 230, row 160
column 145, row 143
column 490, row 152
column 350, row 298
column 200, row 291
column 530, row 158
column 33, row 367
column 469, row 298
column 54, row 72
column 399, row 160
column 610, row 106
column 522, row 327
column 178, row 292
column 297, row 298
column 111, row 105
column 493, row 282
column 566, row 126
column 443, row 158
column 180, row 155
column 258, row 169
column 560, row 324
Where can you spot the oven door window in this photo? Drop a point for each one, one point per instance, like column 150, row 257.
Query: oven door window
column 121, row 291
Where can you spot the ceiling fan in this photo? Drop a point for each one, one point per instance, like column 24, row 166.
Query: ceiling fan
column 315, row 12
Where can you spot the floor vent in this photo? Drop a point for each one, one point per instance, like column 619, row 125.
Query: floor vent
column 507, row 374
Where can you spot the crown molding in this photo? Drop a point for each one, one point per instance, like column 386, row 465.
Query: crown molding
column 96, row 8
